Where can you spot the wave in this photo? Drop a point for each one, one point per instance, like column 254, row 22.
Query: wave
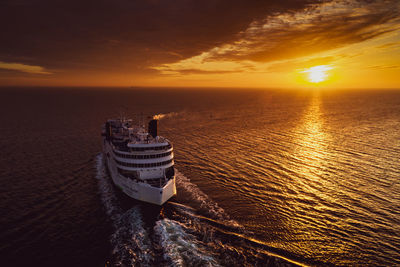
column 182, row 248
column 202, row 201
column 182, row 235
column 130, row 241
column 229, row 246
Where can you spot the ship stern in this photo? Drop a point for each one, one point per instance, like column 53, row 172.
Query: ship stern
column 168, row 191
column 157, row 196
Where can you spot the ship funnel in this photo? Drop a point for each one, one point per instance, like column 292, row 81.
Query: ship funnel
column 153, row 128
column 108, row 130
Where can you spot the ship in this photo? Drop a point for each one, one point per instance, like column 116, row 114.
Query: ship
column 140, row 162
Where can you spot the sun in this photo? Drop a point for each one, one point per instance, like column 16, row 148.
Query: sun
column 318, row 74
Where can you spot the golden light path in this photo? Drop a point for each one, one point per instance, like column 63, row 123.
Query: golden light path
column 318, row 74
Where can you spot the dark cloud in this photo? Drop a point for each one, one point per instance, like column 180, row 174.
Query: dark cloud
column 131, row 36
column 122, row 34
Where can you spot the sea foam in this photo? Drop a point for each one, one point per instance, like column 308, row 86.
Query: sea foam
column 130, row 240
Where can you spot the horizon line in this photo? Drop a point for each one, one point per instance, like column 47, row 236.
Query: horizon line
column 314, row 88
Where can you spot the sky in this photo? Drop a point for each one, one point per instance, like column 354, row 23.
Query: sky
column 200, row 43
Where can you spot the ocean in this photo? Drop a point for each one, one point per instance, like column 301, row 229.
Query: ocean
column 264, row 178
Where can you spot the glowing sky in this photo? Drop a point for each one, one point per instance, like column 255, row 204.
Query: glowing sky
column 209, row 43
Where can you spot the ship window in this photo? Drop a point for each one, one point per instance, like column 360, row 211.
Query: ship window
column 170, row 172
column 129, row 174
column 143, row 156
column 151, row 148
column 145, row 165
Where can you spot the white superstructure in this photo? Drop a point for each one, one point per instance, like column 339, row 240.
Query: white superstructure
column 140, row 163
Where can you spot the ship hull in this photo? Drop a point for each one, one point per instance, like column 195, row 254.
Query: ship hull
column 141, row 191
column 141, row 164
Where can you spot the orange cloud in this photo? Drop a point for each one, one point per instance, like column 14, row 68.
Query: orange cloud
column 317, row 28
column 23, row 68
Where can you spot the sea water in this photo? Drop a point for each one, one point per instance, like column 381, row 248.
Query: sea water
column 263, row 177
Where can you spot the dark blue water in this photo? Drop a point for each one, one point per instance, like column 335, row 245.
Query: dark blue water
column 264, row 177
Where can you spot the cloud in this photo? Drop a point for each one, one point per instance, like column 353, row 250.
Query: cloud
column 123, row 35
column 23, row 68
column 181, row 36
column 198, row 71
column 315, row 28
column 383, row 67
column 391, row 45
column 301, row 63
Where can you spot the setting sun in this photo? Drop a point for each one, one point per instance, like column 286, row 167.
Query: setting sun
column 318, row 74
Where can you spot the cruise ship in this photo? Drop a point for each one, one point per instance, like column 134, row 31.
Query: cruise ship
column 140, row 162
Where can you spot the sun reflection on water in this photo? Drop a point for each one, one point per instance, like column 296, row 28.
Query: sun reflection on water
column 312, row 139
column 311, row 186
